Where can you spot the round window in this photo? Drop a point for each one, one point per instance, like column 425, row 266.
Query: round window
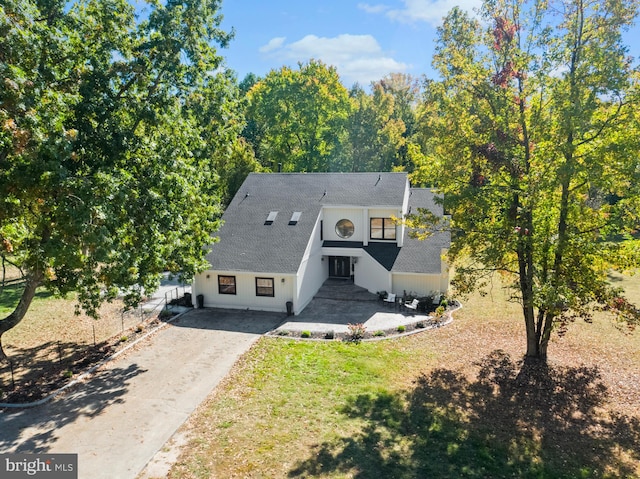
column 344, row 228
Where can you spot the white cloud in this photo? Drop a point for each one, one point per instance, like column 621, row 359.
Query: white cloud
column 358, row 58
column 429, row 11
column 273, row 44
column 373, row 8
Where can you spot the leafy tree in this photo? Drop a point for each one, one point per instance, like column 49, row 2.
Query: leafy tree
column 299, row 118
column 375, row 135
column 247, row 82
column 218, row 111
column 235, row 169
column 251, row 131
column 406, row 92
column 530, row 131
column 108, row 132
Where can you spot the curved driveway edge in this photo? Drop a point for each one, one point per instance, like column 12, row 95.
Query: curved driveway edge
column 130, row 408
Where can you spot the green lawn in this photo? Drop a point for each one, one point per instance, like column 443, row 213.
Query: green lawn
column 10, row 295
column 448, row 403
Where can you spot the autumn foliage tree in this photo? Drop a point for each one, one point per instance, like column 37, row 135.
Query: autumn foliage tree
column 109, row 127
column 531, row 139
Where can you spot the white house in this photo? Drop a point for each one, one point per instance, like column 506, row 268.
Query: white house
column 284, row 234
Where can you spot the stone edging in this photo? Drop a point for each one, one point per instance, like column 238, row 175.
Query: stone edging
column 449, row 313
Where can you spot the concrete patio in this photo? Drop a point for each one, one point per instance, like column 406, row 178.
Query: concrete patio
column 340, row 303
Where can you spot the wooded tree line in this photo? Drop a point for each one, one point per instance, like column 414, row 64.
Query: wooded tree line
column 306, row 120
column 121, row 140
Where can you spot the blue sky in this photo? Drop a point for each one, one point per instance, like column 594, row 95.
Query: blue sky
column 364, row 40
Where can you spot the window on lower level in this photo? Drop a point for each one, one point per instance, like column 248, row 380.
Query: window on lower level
column 264, row 287
column 383, row 228
column 227, row 284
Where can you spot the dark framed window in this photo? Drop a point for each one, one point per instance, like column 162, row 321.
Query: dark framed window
column 264, row 287
column 383, row 229
column 345, row 228
column 227, row 284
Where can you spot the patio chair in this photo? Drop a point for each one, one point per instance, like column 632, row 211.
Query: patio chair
column 412, row 305
column 391, row 298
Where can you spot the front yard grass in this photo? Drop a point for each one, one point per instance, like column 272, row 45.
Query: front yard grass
column 447, row 403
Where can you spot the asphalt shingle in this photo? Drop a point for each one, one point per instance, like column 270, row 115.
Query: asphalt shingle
column 422, row 256
column 247, row 244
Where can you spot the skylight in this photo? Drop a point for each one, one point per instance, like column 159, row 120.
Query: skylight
column 295, row 217
column 271, row 218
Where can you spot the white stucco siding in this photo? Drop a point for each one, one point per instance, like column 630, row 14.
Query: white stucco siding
column 312, row 271
column 331, row 216
column 245, row 297
column 444, row 276
column 197, row 285
column 384, row 212
column 405, row 200
column 405, row 211
column 420, row 284
column 371, row 275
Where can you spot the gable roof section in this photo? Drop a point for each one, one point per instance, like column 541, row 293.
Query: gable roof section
column 415, row 256
column 422, row 256
column 247, row 244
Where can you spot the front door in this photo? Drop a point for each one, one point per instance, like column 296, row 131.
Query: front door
column 339, row 266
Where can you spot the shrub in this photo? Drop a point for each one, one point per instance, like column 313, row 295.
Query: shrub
column 421, row 325
column 379, row 333
column 401, row 329
column 305, row 334
column 356, row 332
column 124, row 339
column 139, row 328
column 68, row 374
column 330, row 335
column 439, row 311
column 444, row 303
column 283, row 332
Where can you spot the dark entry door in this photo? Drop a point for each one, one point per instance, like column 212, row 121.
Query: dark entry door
column 339, row 266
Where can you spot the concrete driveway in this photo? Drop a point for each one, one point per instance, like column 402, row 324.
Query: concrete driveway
column 122, row 417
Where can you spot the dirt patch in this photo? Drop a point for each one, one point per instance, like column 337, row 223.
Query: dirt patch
column 55, row 364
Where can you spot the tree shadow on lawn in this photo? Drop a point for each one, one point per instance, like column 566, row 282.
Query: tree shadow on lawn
column 514, row 420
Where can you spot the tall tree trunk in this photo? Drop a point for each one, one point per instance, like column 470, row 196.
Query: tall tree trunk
column 533, row 346
column 33, row 280
column 526, row 291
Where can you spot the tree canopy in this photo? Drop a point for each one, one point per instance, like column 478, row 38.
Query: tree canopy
column 109, row 130
column 376, row 134
column 305, row 120
column 299, row 118
column 532, row 138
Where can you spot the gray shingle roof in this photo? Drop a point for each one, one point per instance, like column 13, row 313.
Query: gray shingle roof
column 422, row 256
column 247, row 244
column 415, row 256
